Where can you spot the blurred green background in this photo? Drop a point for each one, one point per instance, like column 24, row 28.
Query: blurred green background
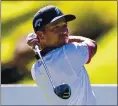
column 96, row 20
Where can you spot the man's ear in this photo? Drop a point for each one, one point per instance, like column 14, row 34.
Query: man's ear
column 40, row 35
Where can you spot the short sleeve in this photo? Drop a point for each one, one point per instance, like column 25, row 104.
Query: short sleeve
column 33, row 71
column 77, row 52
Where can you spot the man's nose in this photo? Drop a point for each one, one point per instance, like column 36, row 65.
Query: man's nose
column 64, row 31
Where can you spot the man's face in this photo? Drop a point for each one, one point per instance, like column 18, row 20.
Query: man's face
column 56, row 33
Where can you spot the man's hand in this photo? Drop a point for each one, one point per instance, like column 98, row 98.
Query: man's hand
column 32, row 39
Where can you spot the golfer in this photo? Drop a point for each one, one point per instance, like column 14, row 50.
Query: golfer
column 64, row 55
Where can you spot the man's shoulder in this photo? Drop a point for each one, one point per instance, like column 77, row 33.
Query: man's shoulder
column 68, row 46
column 71, row 45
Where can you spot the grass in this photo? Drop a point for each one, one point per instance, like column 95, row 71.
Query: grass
column 103, row 67
column 26, row 81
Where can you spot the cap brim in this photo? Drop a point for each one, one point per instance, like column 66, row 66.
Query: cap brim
column 68, row 17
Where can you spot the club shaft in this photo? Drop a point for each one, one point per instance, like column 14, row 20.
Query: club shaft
column 44, row 64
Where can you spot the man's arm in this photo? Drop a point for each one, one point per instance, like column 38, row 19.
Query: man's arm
column 92, row 45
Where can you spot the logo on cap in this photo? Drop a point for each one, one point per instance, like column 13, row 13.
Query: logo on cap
column 37, row 23
column 57, row 11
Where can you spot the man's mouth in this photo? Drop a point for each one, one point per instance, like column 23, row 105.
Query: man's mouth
column 64, row 36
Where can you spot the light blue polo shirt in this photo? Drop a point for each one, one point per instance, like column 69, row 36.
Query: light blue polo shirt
column 66, row 65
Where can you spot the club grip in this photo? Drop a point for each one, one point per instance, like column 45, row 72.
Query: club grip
column 36, row 48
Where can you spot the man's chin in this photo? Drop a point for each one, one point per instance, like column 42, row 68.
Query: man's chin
column 66, row 40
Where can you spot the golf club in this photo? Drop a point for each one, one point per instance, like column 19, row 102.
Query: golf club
column 63, row 91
